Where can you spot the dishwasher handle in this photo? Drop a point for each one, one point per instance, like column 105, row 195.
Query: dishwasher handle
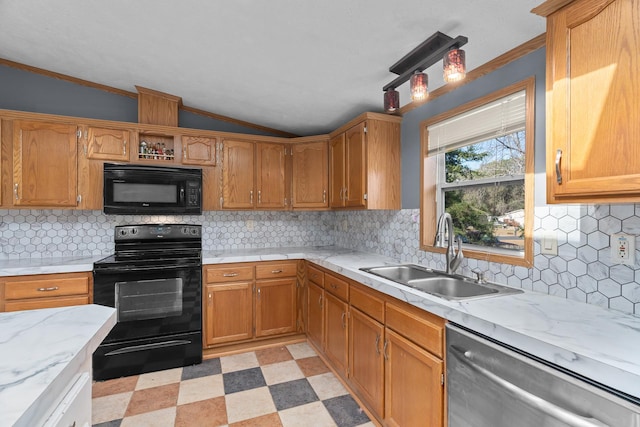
column 561, row 414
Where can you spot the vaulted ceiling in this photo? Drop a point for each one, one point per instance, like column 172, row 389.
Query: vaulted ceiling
column 300, row 66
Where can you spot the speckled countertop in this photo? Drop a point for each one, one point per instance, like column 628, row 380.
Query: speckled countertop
column 600, row 344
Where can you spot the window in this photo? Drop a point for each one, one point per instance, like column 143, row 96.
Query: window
column 478, row 167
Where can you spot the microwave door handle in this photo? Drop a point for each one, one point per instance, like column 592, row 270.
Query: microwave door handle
column 181, row 195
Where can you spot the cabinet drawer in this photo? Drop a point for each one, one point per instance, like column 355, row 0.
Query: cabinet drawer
column 275, row 270
column 35, row 303
column 315, row 275
column 367, row 303
column 336, row 286
column 228, row 273
column 424, row 329
column 49, row 287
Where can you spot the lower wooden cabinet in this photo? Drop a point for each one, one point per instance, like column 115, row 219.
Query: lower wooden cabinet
column 249, row 301
column 389, row 352
column 45, row 291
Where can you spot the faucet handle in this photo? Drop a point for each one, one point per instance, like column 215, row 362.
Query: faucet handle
column 479, row 276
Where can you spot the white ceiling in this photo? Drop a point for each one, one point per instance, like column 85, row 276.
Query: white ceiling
column 302, row 66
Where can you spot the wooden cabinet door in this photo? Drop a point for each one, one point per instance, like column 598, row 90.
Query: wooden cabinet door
column 238, row 175
column 315, row 313
column 593, row 110
column 197, row 150
column 107, row 144
column 366, row 363
column 44, row 164
column 228, row 314
column 413, row 384
column 310, row 175
column 337, row 179
column 270, row 176
column 355, row 152
column 275, row 307
column 336, row 321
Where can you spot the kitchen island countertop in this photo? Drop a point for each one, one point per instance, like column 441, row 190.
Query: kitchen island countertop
column 600, row 344
column 42, row 352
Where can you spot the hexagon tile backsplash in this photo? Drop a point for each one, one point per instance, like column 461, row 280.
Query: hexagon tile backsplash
column 582, row 270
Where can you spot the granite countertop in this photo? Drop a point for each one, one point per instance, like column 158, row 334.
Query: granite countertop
column 600, row 344
column 41, row 352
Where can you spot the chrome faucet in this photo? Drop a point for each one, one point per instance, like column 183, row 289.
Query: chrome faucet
column 445, row 233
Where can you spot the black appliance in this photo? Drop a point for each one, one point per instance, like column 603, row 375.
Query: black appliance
column 154, row 281
column 153, row 190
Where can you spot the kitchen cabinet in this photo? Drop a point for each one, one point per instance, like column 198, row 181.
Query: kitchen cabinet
column 228, row 311
column 593, row 100
column 248, row 301
column 336, row 322
column 310, row 175
column 364, row 163
column 44, row 164
column 315, row 306
column 106, row 144
column 45, row 291
column 414, row 370
column 270, row 176
column 199, row 150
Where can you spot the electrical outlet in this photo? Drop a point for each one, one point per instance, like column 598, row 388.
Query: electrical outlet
column 250, row 225
column 623, row 249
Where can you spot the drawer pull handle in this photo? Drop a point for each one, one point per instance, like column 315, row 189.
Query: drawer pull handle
column 334, row 286
column 378, row 344
column 384, row 350
column 53, row 288
column 276, row 271
column 320, row 300
column 230, row 274
column 344, row 323
column 558, row 172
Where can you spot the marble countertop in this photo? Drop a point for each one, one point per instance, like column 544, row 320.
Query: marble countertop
column 600, row 344
column 41, row 351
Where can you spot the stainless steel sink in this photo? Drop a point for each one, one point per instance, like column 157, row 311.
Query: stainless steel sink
column 451, row 287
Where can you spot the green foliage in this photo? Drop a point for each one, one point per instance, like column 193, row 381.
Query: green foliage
column 455, row 163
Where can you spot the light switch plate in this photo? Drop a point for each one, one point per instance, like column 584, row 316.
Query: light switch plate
column 549, row 243
column 623, row 249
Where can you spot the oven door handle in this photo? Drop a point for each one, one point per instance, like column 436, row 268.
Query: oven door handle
column 143, row 347
column 549, row 408
column 128, row 269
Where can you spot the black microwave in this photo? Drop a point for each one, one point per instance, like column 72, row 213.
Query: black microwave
column 153, row 190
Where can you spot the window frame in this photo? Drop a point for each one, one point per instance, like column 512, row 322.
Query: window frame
column 428, row 177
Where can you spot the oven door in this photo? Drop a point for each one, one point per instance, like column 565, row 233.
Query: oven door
column 150, row 300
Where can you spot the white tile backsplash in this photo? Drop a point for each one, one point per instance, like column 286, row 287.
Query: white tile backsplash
column 581, row 271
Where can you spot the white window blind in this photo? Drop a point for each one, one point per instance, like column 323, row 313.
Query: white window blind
column 498, row 118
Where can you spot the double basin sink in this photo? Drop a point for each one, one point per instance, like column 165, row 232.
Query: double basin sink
column 440, row 284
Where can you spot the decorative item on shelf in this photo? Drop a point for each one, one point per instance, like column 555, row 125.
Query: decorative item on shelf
column 391, row 100
column 410, row 67
column 419, row 86
column 454, row 65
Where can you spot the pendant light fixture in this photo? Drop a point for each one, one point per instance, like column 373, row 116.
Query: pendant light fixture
column 418, row 84
column 454, row 65
column 391, row 100
column 411, row 67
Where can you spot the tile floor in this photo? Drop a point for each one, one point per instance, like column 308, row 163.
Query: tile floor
column 279, row 386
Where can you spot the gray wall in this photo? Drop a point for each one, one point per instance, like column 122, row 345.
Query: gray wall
column 525, row 67
column 26, row 91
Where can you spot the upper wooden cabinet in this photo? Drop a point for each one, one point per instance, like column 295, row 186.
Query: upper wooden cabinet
column 197, row 150
column 106, row 144
column 44, row 164
column 253, row 175
column 364, row 163
column 310, row 175
column 593, row 100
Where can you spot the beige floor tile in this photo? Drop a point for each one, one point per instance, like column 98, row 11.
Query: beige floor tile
column 281, row 372
column 161, row 418
column 238, row 362
column 205, row 413
column 312, row 414
column 107, row 408
column 153, row 399
column 267, row 356
column 327, row 386
column 301, row 350
column 154, row 379
column 118, row 385
column 249, row 404
column 200, row 389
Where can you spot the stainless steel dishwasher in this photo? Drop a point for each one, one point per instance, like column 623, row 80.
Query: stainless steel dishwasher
column 490, row 385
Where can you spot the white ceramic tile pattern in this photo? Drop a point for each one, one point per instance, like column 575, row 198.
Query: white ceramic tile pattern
column 65, row 338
